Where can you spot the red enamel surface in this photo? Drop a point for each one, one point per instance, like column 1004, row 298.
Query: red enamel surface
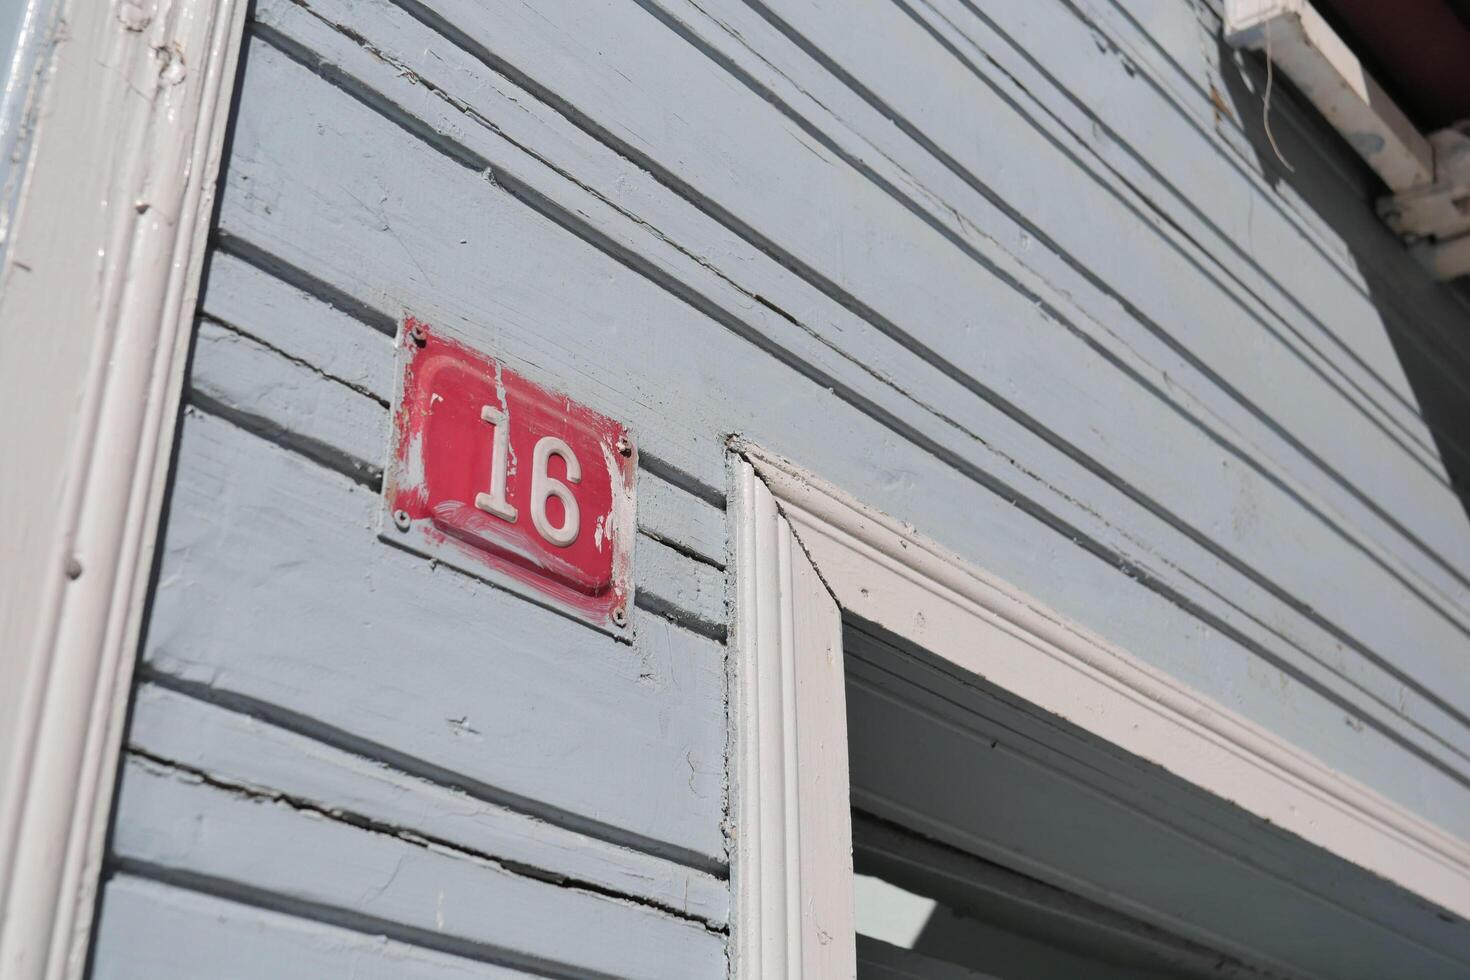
column 442, row 457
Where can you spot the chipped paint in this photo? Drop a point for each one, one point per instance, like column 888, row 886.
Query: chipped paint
column 441, row 459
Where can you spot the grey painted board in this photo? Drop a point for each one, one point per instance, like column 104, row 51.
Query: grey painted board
column 152, row 931
column 1279, row 538
column 929, row 287
column 692, row 592
column 1051, row 214
column 288, row 401
column 273, row 587
column 274, row 212
column 172, row 824
column 1360, row 500
column 1147, row 144
column 1030, row 183
column 1178, row 47
column 299, row 326
column 1323, row 193
column 231, row 747
column 681, row 519
column 967, row 767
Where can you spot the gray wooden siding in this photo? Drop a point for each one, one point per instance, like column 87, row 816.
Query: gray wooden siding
column 1015, row 273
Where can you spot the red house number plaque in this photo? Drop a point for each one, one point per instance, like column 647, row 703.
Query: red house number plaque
column 503, row 478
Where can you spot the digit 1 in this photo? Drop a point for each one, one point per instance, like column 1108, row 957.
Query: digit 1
column 494, row 502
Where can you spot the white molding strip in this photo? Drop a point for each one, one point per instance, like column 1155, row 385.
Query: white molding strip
column 98, row 293
column 886, row 573
column 792, row 867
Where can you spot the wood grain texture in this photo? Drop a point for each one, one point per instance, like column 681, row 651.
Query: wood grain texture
column 681, row 519
column 1293, row 636
column 173, row 825
column 238, row 749
column 299, row 326
column 258, row 389
column 1005, row 272
column 153, row 931
column 690, row 592
column 1034, row 226
column 1051, row 185
column 274, row 588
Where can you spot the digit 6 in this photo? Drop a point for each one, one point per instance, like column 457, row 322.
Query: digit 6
column 544, row 485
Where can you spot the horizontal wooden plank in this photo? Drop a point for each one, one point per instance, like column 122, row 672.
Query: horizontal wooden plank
column 239, row 749
column 690, row 591
column 171, row 824
column 273, row 587
column 681, row 519
column 1321, row 188
column 299, row 326
column 152, row 931
column 930, row 274
column 1170, row 479
column 288, row 401
column 1184, row 69
column 1290, row 423
column 1322, row 194
column 1162, row 163
column 521, row 310
column 1179, row 48
column 526, row 299
column 1124, row 129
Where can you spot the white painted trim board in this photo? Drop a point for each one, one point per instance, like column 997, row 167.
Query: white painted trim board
column 888, row 574
column 98, row 288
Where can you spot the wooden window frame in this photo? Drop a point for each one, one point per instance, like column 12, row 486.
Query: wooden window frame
column 805, row 552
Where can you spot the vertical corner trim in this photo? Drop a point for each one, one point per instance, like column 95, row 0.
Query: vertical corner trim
column 113, row 222
column 792, row 862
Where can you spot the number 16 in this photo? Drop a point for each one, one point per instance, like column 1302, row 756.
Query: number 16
column 543, row 484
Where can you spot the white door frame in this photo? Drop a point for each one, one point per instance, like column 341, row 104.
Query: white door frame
column 804, row 552
column 97, row 295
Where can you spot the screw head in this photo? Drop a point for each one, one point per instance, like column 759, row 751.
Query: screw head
column 620, row 616
column 401, row 520
column 625, row 448
column 417, row 336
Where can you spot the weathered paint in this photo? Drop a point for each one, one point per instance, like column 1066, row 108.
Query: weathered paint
column 444, row 457
column 1006, row 272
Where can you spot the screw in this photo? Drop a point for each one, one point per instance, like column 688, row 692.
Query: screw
column 625, row 448
column 401, row 520
column 417, row 335
column 620, row 616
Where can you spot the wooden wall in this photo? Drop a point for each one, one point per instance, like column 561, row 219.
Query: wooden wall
column 1020, row 274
